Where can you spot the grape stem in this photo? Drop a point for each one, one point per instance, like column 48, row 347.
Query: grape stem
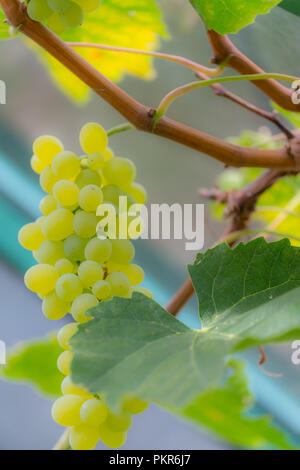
column 63, row 442
column 122, row 128
column 140, row 116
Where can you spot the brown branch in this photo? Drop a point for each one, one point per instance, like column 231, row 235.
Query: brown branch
column 139, row 115
column 222, row 48
column 270, row 116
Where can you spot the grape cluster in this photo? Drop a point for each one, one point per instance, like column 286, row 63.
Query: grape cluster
column 61, row 14
column 77, row 269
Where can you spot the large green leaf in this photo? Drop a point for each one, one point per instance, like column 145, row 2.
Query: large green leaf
column 35, row 362
column 293, row 6
column 130, row 23
column 233, row 281
column 225, row 411
column 229, row 16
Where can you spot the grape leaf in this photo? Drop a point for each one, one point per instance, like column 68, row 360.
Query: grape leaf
column 225, row 411
column 229, row 16
column 293, row 6
column 35, row 362
column 233, row 281
column 134, row 347
column 131, row 23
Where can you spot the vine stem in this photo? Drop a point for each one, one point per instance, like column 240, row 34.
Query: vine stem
column 160, row 55
column 180, row 91
column 140, row 116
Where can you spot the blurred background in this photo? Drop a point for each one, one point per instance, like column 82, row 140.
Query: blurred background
column 170, row 172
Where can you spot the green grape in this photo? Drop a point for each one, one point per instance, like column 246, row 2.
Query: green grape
column 68, row 388
column 134, row 273
column 84, row 437
column 80, row 305
column 59, row 5
column 142, row 290
column 123, row 251
column 66, row 165
column 88, row 6
column 135, row 405
column 48, row 204
column 94, row 412
column 98, row 250
column 73, row 16
column 85, row 224
column 47, row 179
column 46, row 148
column 93, row 138
column 36, row 164
column 56, row 25
column 30, row 236
column 112, row 193
column 108, row 154
column 119, row 283
column 68, row 287
column 87, row 177
column 66, row 192
column 39, row 10
column 58, row 225
column 50, row 252
column 66, row 410
column 54, row 308
column 64, row 266
column 90, row 197
column 119, row 171
column 74, row 247
column 102, row 290
column 89, row 272
column 111, row 439
column 64, row 362
column 65, row 334
column 41, row 278
column 118, row 422
column 138, row 192
column 96, row 161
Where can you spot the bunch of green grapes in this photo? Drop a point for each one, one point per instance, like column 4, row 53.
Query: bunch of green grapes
column 77, row 269
column 61, row 14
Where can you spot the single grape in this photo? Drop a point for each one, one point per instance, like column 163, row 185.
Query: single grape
column 96, row 161
column 68, row 287
column 87, row 177
column 108, row 154
column 73, row 16
column 118, row 422
column 85, row 224
column 56, row 25
column 111, row 439
column 68, row 388
column 48, row 204
column 98, row 250
column 65, row 334
column 135, row 405
column 102, row 290
column 112, row 193
column 64, row 362
column 47, row 179
column 59, row 5
column 88, row 6
column 89, row 272
column 41, row 278
column 47, row 147
column 94, row 412
column 119, row 283
column 90, row 197
column 84, row 437
column 66, row 192
column 66, row 165
column 93, row 138
column 54, row 308
column 142, row 290
column 134, row 273
column 30, row 236
column 80, row 306
column 64, row 266
column 74, row 247
column 39, row 10
column 36, row 164
column 58, row 225
column 119, row 171
column 137, row 191
column 123, row 251
column 50, row 252
column 66, row 410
